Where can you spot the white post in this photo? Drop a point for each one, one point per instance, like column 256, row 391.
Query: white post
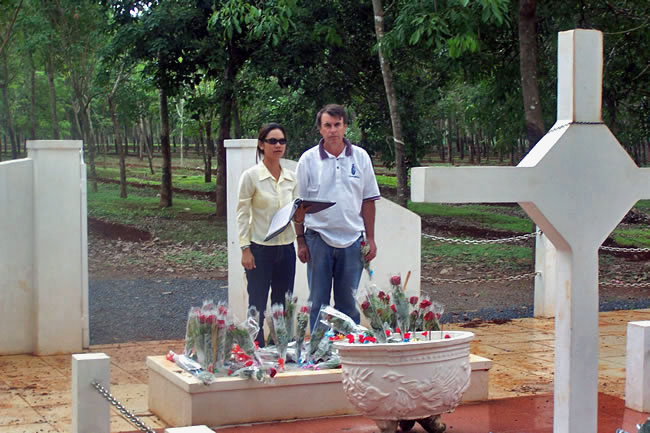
column 58, row 252
column 240, row 155
column 546, row 278
column 90, row 410
column 637, row 366
column 193, row 429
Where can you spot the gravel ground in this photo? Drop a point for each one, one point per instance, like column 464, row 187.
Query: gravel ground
column 140, row 310
column 123, row 310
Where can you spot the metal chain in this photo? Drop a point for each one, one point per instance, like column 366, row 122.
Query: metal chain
column 574, row 123
column 481, row 280
column 124, row 411
column 624, row 284
column 480, row 241
column 626, row 250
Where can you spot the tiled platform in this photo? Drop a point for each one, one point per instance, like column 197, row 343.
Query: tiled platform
column 35, row 391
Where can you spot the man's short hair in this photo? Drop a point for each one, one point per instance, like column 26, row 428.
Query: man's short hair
column 333, row 110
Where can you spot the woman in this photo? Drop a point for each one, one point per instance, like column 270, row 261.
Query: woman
column 263, row 190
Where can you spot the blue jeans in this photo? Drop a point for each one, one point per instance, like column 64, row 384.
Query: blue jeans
column 275, row 267
column 327, row 265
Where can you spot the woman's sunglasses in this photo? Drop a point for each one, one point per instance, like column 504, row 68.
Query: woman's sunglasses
column 275, row 141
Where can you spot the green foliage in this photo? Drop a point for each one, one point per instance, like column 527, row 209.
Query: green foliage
column 636, row 238
column 199, row 259
column 487, row 216
column 508, row 256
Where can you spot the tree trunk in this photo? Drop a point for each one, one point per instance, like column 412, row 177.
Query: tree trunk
column 50, row 81
column 32, row 96
column 5, row 101
column 235, row 119
column 207, row 156
column 166, row 182
column 230, row 74
column 528, row 70
column 391, row 96
column 119, row 147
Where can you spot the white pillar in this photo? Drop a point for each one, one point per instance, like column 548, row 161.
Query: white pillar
column 546, row 278
column 240, row 155
column 90, row 410
column 193, row 429
column 637, row 366
column 58, row 251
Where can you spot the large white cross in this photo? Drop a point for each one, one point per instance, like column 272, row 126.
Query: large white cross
column 576, row 184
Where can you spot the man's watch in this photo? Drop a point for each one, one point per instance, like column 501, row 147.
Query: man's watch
column 244, row 247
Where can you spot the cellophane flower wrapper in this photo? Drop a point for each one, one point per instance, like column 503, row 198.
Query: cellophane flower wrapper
column 339, row 321
column 315, row 338
column 253, row 321
column 221, row 331
column 254, row 372
column 302, row 321
column 290, row 302
column 365, row 249
column 280, row 326
column 323, row 351
column 229, row 343
column 272, row 337
column 192, row 332
column 191, row 366
column 333, row 362
column 243, row 339
column 204, row 347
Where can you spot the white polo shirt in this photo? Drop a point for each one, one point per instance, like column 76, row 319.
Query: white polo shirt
column 347, row 179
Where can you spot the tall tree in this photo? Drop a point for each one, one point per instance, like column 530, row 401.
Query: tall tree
column 528, row 69
column 391, row 96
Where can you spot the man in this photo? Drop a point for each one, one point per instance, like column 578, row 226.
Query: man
column 330, row 240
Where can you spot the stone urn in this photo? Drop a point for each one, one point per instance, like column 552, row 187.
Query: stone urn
column 401, row 383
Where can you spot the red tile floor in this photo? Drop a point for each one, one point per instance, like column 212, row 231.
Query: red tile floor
column 35, row 391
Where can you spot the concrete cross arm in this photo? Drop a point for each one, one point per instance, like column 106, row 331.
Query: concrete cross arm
column 472, row 184
column 643, row 183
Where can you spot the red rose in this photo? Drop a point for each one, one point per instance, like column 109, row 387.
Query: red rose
column 414, row 314
column 387, row 300
column 363, row 244
column 407, row 335
column 396, row 280
column 393, row 308
column 413, row 300
column 381, row 295
column 425, row 333
column 248, row 363
column 429, row 316
column 272, row 372
column 399, row 331
column 304, row 309
column 365, row 305
column 447, row 336
column 425, row 303
column 387, row 333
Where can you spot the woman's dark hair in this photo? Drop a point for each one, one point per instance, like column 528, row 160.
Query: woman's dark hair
column 264, row 131
column 334, row 110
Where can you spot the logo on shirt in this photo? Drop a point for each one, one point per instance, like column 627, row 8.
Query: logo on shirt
column 353, row 171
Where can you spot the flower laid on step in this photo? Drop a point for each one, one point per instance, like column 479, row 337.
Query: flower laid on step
column 280, row 327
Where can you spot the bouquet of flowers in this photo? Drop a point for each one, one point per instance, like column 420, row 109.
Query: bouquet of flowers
column 302, row 321
column 220, row 336
column 289, row 313
column 192, row 332
column 400, row 305
column 280, row 326
column 365, row 248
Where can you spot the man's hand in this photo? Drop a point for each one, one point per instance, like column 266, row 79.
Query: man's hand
column 247, row 259
column 303, row 251
column 372, row 252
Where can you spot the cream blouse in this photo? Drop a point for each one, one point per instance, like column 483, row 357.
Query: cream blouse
column 260, row 197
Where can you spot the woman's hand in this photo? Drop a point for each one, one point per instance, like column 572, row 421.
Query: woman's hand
column 247, row 259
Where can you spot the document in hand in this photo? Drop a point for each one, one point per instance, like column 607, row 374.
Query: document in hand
column 283, row 217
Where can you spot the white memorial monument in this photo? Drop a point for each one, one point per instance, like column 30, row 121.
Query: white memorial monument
column 576, row 184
